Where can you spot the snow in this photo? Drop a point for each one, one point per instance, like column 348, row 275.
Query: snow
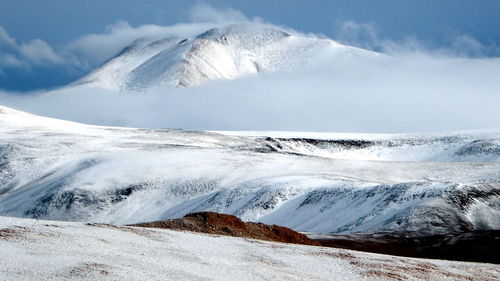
column 340, row 135
column 113, row 73
column 441, row 147
column 54, row 169
column 50, row 250
column 220, row 53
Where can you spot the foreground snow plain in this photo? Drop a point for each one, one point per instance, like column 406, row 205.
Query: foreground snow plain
column 54, row 169
column 48, row 250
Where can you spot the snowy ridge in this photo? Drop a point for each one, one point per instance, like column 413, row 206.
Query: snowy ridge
column 61, row 170
column 113, row 74
column 467, row 146
column 220, row 53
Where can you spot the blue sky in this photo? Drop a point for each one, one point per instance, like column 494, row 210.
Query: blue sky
column 57, row 23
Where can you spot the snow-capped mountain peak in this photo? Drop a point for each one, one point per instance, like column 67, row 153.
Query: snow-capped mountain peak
column 219, row 53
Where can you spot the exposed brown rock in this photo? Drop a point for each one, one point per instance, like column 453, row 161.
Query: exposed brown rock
column 13, row 234
column 475, row 246
column 222, row 224
column 6, row 233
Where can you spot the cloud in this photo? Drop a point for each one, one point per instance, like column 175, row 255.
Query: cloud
column 405, row 94
column 366, row 35
column 10, row 60
column 465, row 45
column 415, row 89
column 37, row 51
column 34, row 64
column 207, row 13
column 6, row 39
column 25, row 54
column 31, row 60
column 96, row 48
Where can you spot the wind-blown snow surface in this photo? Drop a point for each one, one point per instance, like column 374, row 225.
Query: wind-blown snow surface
column 45, row 250
column 220, row 53
column 60, row 170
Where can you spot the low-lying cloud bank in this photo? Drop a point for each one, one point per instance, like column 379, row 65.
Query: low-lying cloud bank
column 414, row 89
column 403, row 94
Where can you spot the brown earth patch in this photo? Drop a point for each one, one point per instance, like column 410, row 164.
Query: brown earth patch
column 379, row 274
column 86, row 269
column 222, row 224
column 13, row 234
column 6, row 233
column 339, row 255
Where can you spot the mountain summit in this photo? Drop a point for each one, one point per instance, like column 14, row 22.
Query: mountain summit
column 220, row 53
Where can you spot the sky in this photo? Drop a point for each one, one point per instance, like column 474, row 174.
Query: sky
column 49, row 26
column 442, row 74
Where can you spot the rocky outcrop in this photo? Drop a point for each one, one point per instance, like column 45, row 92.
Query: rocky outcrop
column 222, row 224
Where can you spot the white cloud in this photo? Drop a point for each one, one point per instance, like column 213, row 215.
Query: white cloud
column 366, row 35
column 468, row 46
column 10, row 60
column 6, row 39
column 92, row 49
column 416, row 93
column 25, row 54
column 207, row 13
column 37, row 51
column 96, row 48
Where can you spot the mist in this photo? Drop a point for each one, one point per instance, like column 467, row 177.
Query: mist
column 418, row 93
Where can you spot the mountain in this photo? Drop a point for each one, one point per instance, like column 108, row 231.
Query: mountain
column 220, row 53
column 328, row 183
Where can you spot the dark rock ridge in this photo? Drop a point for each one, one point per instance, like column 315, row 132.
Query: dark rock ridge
column 222, row 224
column 474, row 246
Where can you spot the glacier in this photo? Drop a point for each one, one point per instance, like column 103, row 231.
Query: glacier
column 311, row 182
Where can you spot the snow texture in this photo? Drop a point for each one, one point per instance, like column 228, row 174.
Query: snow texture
column 328, row 183
column 47, row 250
column 220, row 53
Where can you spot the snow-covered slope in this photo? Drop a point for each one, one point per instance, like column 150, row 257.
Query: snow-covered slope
column 61, row 170
column 46, row 250
column 220, row 53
